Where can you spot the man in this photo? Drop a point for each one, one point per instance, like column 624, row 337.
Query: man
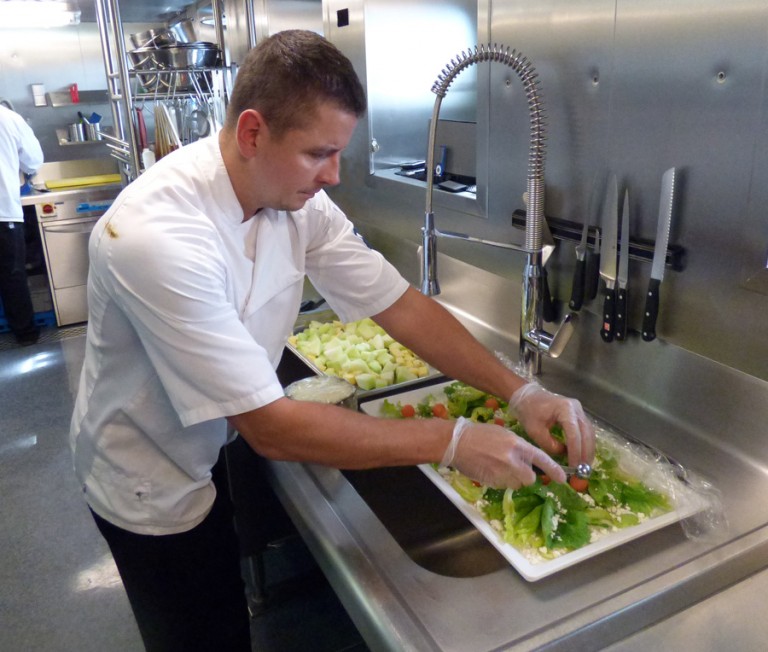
column 195, row 282
column 19, row 150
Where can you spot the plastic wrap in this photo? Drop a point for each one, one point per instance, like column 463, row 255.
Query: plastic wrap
column 689, row 492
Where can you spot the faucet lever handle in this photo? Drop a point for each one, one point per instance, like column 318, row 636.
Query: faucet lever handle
column 554, row 345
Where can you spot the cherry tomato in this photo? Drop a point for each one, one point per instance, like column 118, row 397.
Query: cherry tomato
column 545, row 479
column 475, row 483
column 499, row 421
column 440, row 411
column 408, row 411
column 492, row 403
column 579, row 484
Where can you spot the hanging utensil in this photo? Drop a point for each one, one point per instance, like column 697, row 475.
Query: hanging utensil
column 581, row 289
column 622, row 301
column 608, row 258
column 659, row 255
column 141, row 128
column 166, row 134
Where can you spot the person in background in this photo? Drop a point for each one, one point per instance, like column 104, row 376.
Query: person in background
column 19, row 151
column 195, row 282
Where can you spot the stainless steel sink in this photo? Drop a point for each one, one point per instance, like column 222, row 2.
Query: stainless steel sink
column 414, row 582
column 425, row 524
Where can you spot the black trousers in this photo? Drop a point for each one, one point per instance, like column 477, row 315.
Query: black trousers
column 185, row 590
column 14, row 289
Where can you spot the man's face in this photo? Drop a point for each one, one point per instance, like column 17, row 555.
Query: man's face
column 303, row 161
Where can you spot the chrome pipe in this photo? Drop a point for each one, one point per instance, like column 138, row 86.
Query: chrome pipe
column 116, row 68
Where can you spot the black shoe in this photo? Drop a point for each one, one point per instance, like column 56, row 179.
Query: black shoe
column 29, row 338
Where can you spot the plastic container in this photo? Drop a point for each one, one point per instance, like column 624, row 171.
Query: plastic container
column 324, row 389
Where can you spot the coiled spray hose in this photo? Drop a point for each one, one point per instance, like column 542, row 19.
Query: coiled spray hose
column 529, row 78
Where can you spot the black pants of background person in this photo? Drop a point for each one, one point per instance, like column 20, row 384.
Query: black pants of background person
column 14, row 288
column 186, row 590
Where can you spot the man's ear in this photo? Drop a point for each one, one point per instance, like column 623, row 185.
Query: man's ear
column 251, row 129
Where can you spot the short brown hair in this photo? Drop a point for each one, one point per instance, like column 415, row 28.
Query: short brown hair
column 286, row 75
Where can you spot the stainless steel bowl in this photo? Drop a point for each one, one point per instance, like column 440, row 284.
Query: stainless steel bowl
column 184, row 31
column 186, row 55
column 153, row 38
column 141, row 59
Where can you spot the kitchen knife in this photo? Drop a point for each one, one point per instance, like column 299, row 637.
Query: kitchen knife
column 592, row 281
column 580, row 271
column 623, row 277
column 579, row 288
column 659, row 255
column 610, row 223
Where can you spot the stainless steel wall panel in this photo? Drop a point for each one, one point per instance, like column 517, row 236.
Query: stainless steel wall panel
column 635, row 87
column 571, row 47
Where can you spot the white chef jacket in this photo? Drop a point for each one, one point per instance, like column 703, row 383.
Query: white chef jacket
column 189, row 311
column 19, row 150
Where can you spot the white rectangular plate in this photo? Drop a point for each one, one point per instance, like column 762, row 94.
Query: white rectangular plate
column 530, row 570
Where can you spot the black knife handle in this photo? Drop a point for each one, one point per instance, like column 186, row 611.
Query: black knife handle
column 621, row 314
column 609, row 315
column 651, row 310
column 577, row 291
column 592, row 276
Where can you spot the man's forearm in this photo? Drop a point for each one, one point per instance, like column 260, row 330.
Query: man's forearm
column 428, row 329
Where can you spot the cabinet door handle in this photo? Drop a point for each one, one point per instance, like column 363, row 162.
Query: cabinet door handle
column 81, row 227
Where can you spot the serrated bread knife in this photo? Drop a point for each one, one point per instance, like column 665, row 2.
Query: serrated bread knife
column 608, row 258
column 659, row 255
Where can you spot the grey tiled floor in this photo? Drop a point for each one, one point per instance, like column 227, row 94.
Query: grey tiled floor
column 59, row 588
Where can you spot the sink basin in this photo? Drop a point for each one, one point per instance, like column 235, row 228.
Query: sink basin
column 426, row 525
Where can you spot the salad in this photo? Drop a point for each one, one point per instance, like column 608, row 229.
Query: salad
column 546, row 519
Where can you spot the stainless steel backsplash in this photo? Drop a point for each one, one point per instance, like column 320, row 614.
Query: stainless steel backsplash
column 631, row 88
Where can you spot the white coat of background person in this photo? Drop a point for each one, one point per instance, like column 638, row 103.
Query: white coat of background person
column 19, row 151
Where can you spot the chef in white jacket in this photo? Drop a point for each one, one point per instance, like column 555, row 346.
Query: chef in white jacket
column 20, row 151
column 195, row 281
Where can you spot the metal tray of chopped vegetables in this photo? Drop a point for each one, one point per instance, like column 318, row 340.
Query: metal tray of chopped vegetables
column 361, row 352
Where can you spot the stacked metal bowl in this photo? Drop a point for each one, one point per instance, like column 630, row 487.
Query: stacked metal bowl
column 167, row 61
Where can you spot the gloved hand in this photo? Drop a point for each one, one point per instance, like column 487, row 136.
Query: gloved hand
column 538, row 410
column 496, row 457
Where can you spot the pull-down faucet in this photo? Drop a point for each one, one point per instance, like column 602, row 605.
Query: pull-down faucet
column 534, row 340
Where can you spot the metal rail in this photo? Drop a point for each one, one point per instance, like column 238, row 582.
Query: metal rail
column 124, row 146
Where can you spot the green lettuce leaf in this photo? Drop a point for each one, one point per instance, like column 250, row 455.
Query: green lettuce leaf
column 462, row 399
column 391, row 410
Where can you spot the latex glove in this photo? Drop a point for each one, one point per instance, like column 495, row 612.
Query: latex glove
column 494, row 456
column 538, row 410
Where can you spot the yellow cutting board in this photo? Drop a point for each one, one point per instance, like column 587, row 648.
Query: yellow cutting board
column 77, row 182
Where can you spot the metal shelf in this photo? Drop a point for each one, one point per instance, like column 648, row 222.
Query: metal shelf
column 58, row 99
column 61, row 136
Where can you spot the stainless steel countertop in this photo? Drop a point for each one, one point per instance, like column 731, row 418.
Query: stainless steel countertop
column 102, row 191
column 620, row 595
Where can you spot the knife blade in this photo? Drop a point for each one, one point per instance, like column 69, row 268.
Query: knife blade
column 666, row 201
column 623, row 277
column 610, row 221
column 580, row 270
column 592, row 280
